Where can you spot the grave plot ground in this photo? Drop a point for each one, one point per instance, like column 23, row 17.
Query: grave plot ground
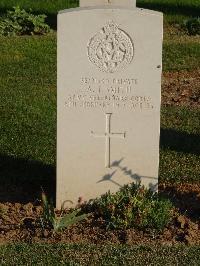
column 21, row 223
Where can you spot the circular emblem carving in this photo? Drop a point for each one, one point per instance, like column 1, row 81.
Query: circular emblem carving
column 111, row 48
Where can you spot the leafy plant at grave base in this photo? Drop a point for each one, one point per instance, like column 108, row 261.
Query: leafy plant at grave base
column 133, row 206
column 21, row 22
column 50, row 219
column 192, row 26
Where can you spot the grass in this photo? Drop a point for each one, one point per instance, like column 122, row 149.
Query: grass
column 28, row 97
column 28, row 92
column 180, row 145
column 63, row 254
column 28, row 116
column 45, row 6
column 181, row 56
column 175, row 11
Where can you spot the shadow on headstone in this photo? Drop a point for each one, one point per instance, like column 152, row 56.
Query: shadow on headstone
column 134, row 177
column 109, row 177
column 22, row 180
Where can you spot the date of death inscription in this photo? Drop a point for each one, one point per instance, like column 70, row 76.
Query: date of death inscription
column 108, row 93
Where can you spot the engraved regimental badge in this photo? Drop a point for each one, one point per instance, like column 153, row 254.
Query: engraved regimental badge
column 111, row 48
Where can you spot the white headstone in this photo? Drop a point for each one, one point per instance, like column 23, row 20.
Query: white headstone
column 127, row 3
column 109, row 86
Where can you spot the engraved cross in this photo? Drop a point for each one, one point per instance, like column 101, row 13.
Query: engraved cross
column 108, row 135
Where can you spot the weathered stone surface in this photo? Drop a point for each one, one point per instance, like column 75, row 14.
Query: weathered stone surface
column 109, row 77
column 127, row 3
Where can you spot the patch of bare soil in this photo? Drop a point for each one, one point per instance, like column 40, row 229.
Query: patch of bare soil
column 21, row 222
column 181, row 88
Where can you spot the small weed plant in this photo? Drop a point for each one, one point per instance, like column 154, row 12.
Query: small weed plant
column 51, row 220
column 192, row 26
column 133, row 206
column 21, row 22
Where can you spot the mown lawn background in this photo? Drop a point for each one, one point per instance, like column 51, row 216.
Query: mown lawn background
column 28, row 132
column 175, row 11
column 28, row 106
column 65, row 254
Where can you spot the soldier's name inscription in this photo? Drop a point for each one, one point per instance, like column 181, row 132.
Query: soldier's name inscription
column 108, row 93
